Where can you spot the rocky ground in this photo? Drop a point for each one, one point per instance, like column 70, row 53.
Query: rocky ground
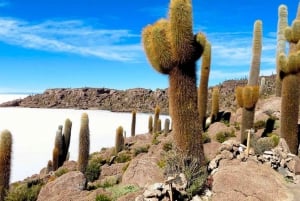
column 268, row 173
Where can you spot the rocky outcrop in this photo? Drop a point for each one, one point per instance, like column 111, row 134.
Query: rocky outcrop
column 142, row 100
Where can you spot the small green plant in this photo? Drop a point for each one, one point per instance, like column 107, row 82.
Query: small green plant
column 141, row 149
column 167, row 146
column 237, row 126
column 161, row 164
column 259, row 124
column 119, row 190
column 155, row 141
column 124, row 168
column 205, row 138
column 93, row 169
column 123, row 157
column 24, row 191
column 224, row 135
column 61, row 171
column 275, row 138
column 262, row 144
column 103, row 197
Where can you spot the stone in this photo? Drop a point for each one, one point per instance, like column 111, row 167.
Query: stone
column 69, row 186
column 226, row 155
column 248, row 181
column 151, row 193
column 297, row 166
column 291, row 165
column 214, row 163
column 196, row 198
column 211, row 149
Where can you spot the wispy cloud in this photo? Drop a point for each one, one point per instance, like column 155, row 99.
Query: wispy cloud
column 72, row 36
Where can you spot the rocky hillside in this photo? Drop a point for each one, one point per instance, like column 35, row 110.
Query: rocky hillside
column 143, row 100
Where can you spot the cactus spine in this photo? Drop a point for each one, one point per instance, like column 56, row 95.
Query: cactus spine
column 247, row 98
column 281, row 43
column 133, row 122
column 84, row 143
column 256, row 54
column 172, row 49
column 5, row 162
column 215, row 104
column 150, row 124
column 119, row 141
column 290, row 79
column 156, row 118
column 203, row 86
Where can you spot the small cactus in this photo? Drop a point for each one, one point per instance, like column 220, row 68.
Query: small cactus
column 84, row 143
column 150, row 124
column 133, row 122
column 119, row 141
column 5, row 162
column 167, row 127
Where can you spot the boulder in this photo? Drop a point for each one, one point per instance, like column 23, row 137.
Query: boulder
column 248, row 181
column 211, row 149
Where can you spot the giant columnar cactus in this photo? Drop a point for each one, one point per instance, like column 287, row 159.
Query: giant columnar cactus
column 133, row 122
column 156, row 118
column 5, row 162
column 256, row 54
column 172, row 49
column 246, row 98
column 290, row 79
column 167, row 127
column 119, row 141
column 281, row 43
column 203, row 86
column 67, row 137
column 59, row 144
column 215, row 104
column 84, row 143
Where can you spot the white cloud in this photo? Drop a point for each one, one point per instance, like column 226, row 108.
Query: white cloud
column 72, row 36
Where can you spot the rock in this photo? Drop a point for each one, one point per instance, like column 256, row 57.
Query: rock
column 69, row 186
column 248, row 181
column 143, row 171
column 211, row 149
column 291, row 165
column 227, row 155
column 152, row 193
column 297, row 166
column 213, row 164
column 114, row 169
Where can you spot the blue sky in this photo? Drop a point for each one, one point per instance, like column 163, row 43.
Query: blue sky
column 78, row 43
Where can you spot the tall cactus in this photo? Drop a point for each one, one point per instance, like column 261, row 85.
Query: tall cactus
column 173, row 49
column 150, row 124
column 5, row 162
column 215, row 104
column 256, row 54
column 203, row 86
column 84, row 143
column 67, row 137
column 246, row 98
column 156, row 118
column 281, row 43
column 167, row 127
column 119, row 141
column 133, row 122
column 290, row 79
column 59, row 144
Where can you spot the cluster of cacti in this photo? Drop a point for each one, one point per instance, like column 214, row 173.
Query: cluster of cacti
column 247, row 98
column 84, row 143
column 5, row 162
column 156, row 118
column 119, row 141
column 150, row 124
column 167, row 127
column 215, row 104
column 289, row 73
column 133, row 122
column 173, row 49
column 61, row 145
column 203, row 86
column 282, row 24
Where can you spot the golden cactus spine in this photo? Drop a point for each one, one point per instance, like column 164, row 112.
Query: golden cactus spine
column 256, row 54
column 203, row 86
column 215, row 104
column 133, row 122
column 84, row 143
column 281, row 43
column 5, row 162
column 247, row 98
column 119, row 140
column 172, row 49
